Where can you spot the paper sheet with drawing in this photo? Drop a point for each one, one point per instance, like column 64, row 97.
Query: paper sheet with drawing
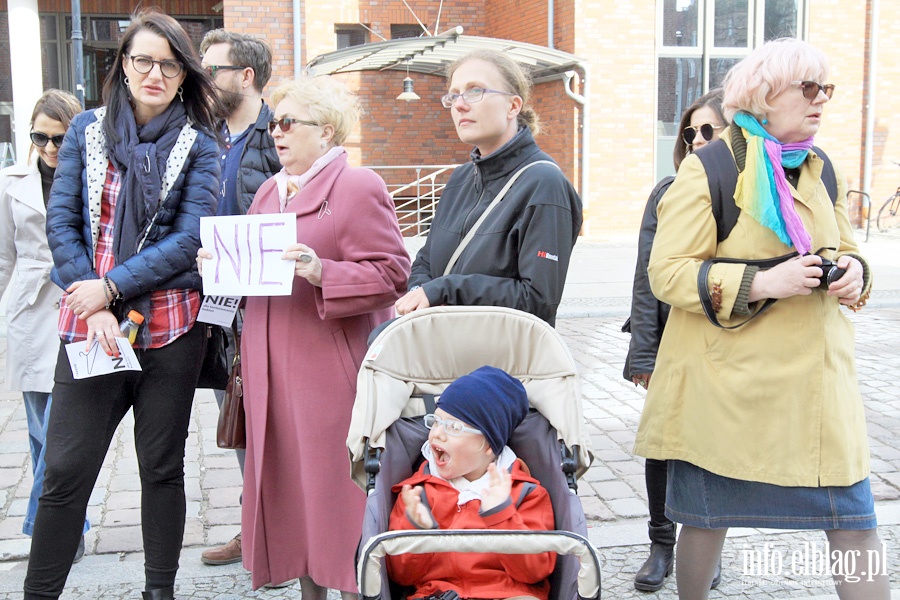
column 94, row 361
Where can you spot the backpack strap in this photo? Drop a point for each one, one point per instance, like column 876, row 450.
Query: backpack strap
column 722, row 175
column 828, row 176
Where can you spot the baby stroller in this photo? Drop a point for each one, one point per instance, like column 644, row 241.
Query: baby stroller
column 407, row 366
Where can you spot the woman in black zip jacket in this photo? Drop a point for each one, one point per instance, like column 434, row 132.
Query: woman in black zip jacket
column 700, row 125
column 520, row 254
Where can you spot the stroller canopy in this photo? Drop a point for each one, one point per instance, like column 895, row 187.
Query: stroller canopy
column 423, row 352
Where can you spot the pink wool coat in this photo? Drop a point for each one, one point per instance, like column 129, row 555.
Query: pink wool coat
column 302, row 514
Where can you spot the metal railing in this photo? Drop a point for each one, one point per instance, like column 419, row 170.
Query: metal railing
column 416, row 190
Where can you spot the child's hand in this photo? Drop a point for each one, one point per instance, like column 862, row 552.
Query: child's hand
column 415, row 510
column 498, row 489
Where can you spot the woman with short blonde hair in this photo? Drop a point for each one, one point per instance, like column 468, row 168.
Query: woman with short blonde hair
column 302, row 514
column 784, row 442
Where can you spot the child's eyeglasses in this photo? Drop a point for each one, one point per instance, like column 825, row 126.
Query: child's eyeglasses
column 451, row 426
column 286, row 123
column 40, row 139
column 811, row 89
column 706, row 130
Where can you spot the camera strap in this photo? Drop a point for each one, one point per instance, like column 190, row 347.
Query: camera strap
column 703, row 285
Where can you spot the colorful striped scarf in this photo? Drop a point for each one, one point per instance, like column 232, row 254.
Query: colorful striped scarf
column 759, row 184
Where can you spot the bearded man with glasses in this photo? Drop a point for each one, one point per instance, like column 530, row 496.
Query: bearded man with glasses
column 240, row 66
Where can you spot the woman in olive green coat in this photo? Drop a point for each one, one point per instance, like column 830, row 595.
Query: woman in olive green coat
column 763, row 425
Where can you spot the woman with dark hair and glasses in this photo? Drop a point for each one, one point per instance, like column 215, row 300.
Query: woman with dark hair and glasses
column 700, row 125
column 33, row 304
column 302, row 514
column 763, row 425
column 520, row 255
column 134, row 178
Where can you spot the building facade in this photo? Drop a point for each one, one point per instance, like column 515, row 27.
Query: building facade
column 648, row 60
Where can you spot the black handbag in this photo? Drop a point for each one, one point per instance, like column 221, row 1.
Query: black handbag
column 214, row 372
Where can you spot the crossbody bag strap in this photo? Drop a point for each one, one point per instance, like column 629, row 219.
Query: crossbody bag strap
column 471, row 234
column 703, row 286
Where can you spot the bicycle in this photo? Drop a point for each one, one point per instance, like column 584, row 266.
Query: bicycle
column 889, row 213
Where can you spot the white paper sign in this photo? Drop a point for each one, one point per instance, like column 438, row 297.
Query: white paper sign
column 218, row 310
column 95, row 362
column 247, row 253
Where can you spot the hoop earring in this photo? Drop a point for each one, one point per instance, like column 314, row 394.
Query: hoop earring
column 180, row 92
column 126, row 82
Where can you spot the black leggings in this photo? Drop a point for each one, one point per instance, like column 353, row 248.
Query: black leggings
column 83, row 421
column 655, row 473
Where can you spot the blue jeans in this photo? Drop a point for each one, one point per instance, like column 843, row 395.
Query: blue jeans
column 37, row 413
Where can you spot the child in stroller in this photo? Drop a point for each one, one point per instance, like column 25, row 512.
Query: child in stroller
column 410, row 364
column 472, row 480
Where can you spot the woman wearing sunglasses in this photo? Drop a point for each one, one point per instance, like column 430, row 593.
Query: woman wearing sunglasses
column 302, row 514
column 520, row 255
column 123, row 223
column 700, row 125
column 763, row 425
column 33, row 304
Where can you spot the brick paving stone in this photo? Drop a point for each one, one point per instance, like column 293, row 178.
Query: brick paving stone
column 122, row 517
column 628, row 508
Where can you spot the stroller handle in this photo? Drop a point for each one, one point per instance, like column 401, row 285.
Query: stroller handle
column 477, row 541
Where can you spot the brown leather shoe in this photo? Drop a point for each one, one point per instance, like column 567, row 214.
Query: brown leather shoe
column 227, row 554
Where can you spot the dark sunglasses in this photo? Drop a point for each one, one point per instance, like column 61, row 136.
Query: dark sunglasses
column 706, row 130
column 40, row 139
column 811, row 89
column 286, row 123
column 213, row 70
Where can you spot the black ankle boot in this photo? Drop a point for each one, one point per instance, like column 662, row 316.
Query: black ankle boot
column 159, row 594
column 652, row 574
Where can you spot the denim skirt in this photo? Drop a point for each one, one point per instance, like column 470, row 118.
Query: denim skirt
column 698, row 498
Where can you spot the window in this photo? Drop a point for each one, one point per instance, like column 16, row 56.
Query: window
column 406, row 31
column 350, row 35
column 700, row 40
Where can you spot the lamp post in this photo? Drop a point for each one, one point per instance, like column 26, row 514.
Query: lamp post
column 77, row 52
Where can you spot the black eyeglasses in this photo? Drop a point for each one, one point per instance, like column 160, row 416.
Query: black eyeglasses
column 144, row 64
column 40, row 139
column 707, row 130
column 471, row 95
column 213, row 70
column 811, row 89
column 286, row 123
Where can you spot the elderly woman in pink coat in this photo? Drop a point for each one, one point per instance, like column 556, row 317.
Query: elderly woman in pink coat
column 302, row 515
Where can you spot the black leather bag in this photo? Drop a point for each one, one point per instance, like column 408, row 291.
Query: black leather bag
column 214, row 373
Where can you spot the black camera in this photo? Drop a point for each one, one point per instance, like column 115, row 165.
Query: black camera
column 830, row 272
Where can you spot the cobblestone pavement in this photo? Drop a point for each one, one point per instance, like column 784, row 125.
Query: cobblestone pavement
column 612, row 492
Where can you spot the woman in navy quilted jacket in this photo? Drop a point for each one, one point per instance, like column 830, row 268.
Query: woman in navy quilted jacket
column 123, row 222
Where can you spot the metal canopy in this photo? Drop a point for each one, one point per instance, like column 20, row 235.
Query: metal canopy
column 431, row 55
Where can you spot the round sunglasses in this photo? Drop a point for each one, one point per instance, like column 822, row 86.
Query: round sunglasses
column 811, row 89
column 40, row 139
column 706, row 131
column 286, row 123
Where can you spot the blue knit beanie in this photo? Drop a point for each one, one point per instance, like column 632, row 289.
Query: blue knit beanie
column 489, row 400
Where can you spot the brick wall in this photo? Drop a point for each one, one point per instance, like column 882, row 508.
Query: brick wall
column 619, row 40
column 840, row 28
